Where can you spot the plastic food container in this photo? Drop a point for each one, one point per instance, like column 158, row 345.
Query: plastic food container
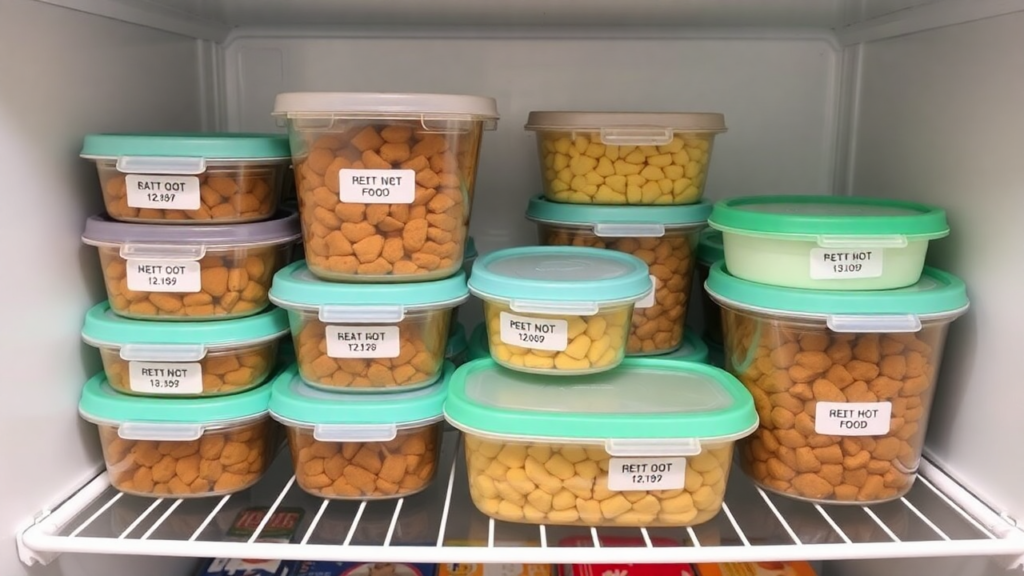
column 470, row 256
column 181, row 447
column 647, row 444
column 665, row 239
column 559, row 310
column 360, row 447
column 368, row 338
column 195, row 273
column 385, row 181
column 457, row 347
column 150, row 358
column 478, row 346
column 624, row 157
column 827, row 242
column 709, row 251
column 189, row 178
column 842, row 381
column 693, row 350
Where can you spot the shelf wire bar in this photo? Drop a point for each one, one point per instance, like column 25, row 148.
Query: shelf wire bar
column 96, row 514
column 140, row 519
column 543, row 536
column 926, row 520
column 490, row 533
column 170, row 510
column 779, row 516
column 594, row 537
column 693, row 537
column 735, row 525
column 957, row 507
column 209, row 517
column 833, row 524
column 316, row 520
column 647, row 537
column 881, row 524
column 355, row 524
column 273, row 508
column 394, row 522
column 447, row 501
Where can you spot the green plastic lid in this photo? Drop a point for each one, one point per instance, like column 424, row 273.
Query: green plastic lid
column 164, row 418
column 710, row 248
column 478, row 345
column 560, row 279
column 808, row 217
column 296, row 288
column 225, row 146
column 643, row 405
column 619, row 221
column 937, row 295
column 693, row 349
column 355, row 417
column 456, row 341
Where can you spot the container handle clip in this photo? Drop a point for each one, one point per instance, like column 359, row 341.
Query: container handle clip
column 336, row 314
column 163, row 352
column 638, row 447
column 173, row 165
column 890, row 241
column 162, row 252
column 555, row 308
column 878, row 323
column 160, row 431
column 636, row 136
column 617, row 230
column 355, row 432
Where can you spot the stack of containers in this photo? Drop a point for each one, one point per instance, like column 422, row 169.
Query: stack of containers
column 385, row 187
column 836, row 327
column 190, row 241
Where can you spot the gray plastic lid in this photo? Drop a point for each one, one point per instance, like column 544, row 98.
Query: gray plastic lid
column 284, row 227
column 675, row 121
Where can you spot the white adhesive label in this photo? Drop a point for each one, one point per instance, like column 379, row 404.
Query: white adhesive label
column 536, row 333
column 377, row 186
column 852, row 418
column 648, row 300
column 163, row 192
column 845, row 264
column 180, row 276
column 165, row 377
column 646, row 473
column 363, row 341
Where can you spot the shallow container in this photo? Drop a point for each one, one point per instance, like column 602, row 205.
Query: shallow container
column 367, row 337
column 385, row 181
column 624, row 157
column 709, row 251
column 181, row 447
column 152, row 358
column 664, row 238
column 647, row 444
column 559, row 309
column 196, row 273
column 842, row 380
column 827, row 242
column 189, row 178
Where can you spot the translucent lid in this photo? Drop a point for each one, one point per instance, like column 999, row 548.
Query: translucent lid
column 618, row 221
column 710, row 248
column 352, row 417
column 226, row 146
column 284, row 227
column 297, row 104
column 675, row 121
column 296, row 288
column 813, row 216
column 104, row 328
column 693, row 349
column 478, row 345
column 648, row 399
column 566, row 277
column 456, row 341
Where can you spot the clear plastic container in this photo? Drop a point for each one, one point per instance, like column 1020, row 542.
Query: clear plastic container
column 181, row 447
column 709, row 251
column 827, row 242
column 367, row 338
column 195, row 273
column 361, row 447
column 189, row 178
column 559, row 310
column 624, row 157
column 150, row 358
column 665, row 239
column 647, row 444
column 842, row 381
column 385, row 181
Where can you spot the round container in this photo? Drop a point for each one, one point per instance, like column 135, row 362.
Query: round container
column 647, row 444
column 189, row 178
column 367, row 338
column 709, row 251
column 842, row 380
column 559, row 310
column 195, row 273
column 624, row 157
column 360, row 447
column 385, row 181
column 827, row 242
column 150, row 358
column 665, row 239
column 181, row 447
column 457, row 347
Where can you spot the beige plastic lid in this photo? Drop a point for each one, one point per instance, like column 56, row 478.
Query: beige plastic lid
column 675, row 121
column 384, row 103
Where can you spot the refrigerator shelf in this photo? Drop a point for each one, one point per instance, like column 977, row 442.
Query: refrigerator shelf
column 937, row 518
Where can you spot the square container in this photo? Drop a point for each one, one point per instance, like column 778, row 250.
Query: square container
column 624, row 157
column 196, row 273
column 348, row 447
column 385, row 181
column 368, row 337
column 827, row 242
column 709, row 250
column 647, row 444
column 189, row 178
column 842, row 380
column 559, row 309
column 664, row 238
column 181, row 447
column 150, row 358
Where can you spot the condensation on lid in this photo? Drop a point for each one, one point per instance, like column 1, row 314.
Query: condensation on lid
column 573, row 120
column 283, row 227
column 369, row 103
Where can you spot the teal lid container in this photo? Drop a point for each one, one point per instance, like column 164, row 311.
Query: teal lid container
column 478, row 345
column 212, row 146
column 560, row 279
column 619, row 220
column 644, row 407
column 693, row 349
column 710, row 248
column 355, row 418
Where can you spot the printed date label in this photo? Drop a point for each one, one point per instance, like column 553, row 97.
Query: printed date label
column 845, row 264
column 180, row 276
column 377, row 186
column 852, row 418
column 165, row 377
column 363, row 341
column 646, row 473
column 536, row 333
column 163, row 192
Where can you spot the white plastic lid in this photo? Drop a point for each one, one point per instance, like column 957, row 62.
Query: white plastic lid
column 292, row 104
column 676, row 121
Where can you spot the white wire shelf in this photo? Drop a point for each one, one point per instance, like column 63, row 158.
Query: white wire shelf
column 937, row 518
